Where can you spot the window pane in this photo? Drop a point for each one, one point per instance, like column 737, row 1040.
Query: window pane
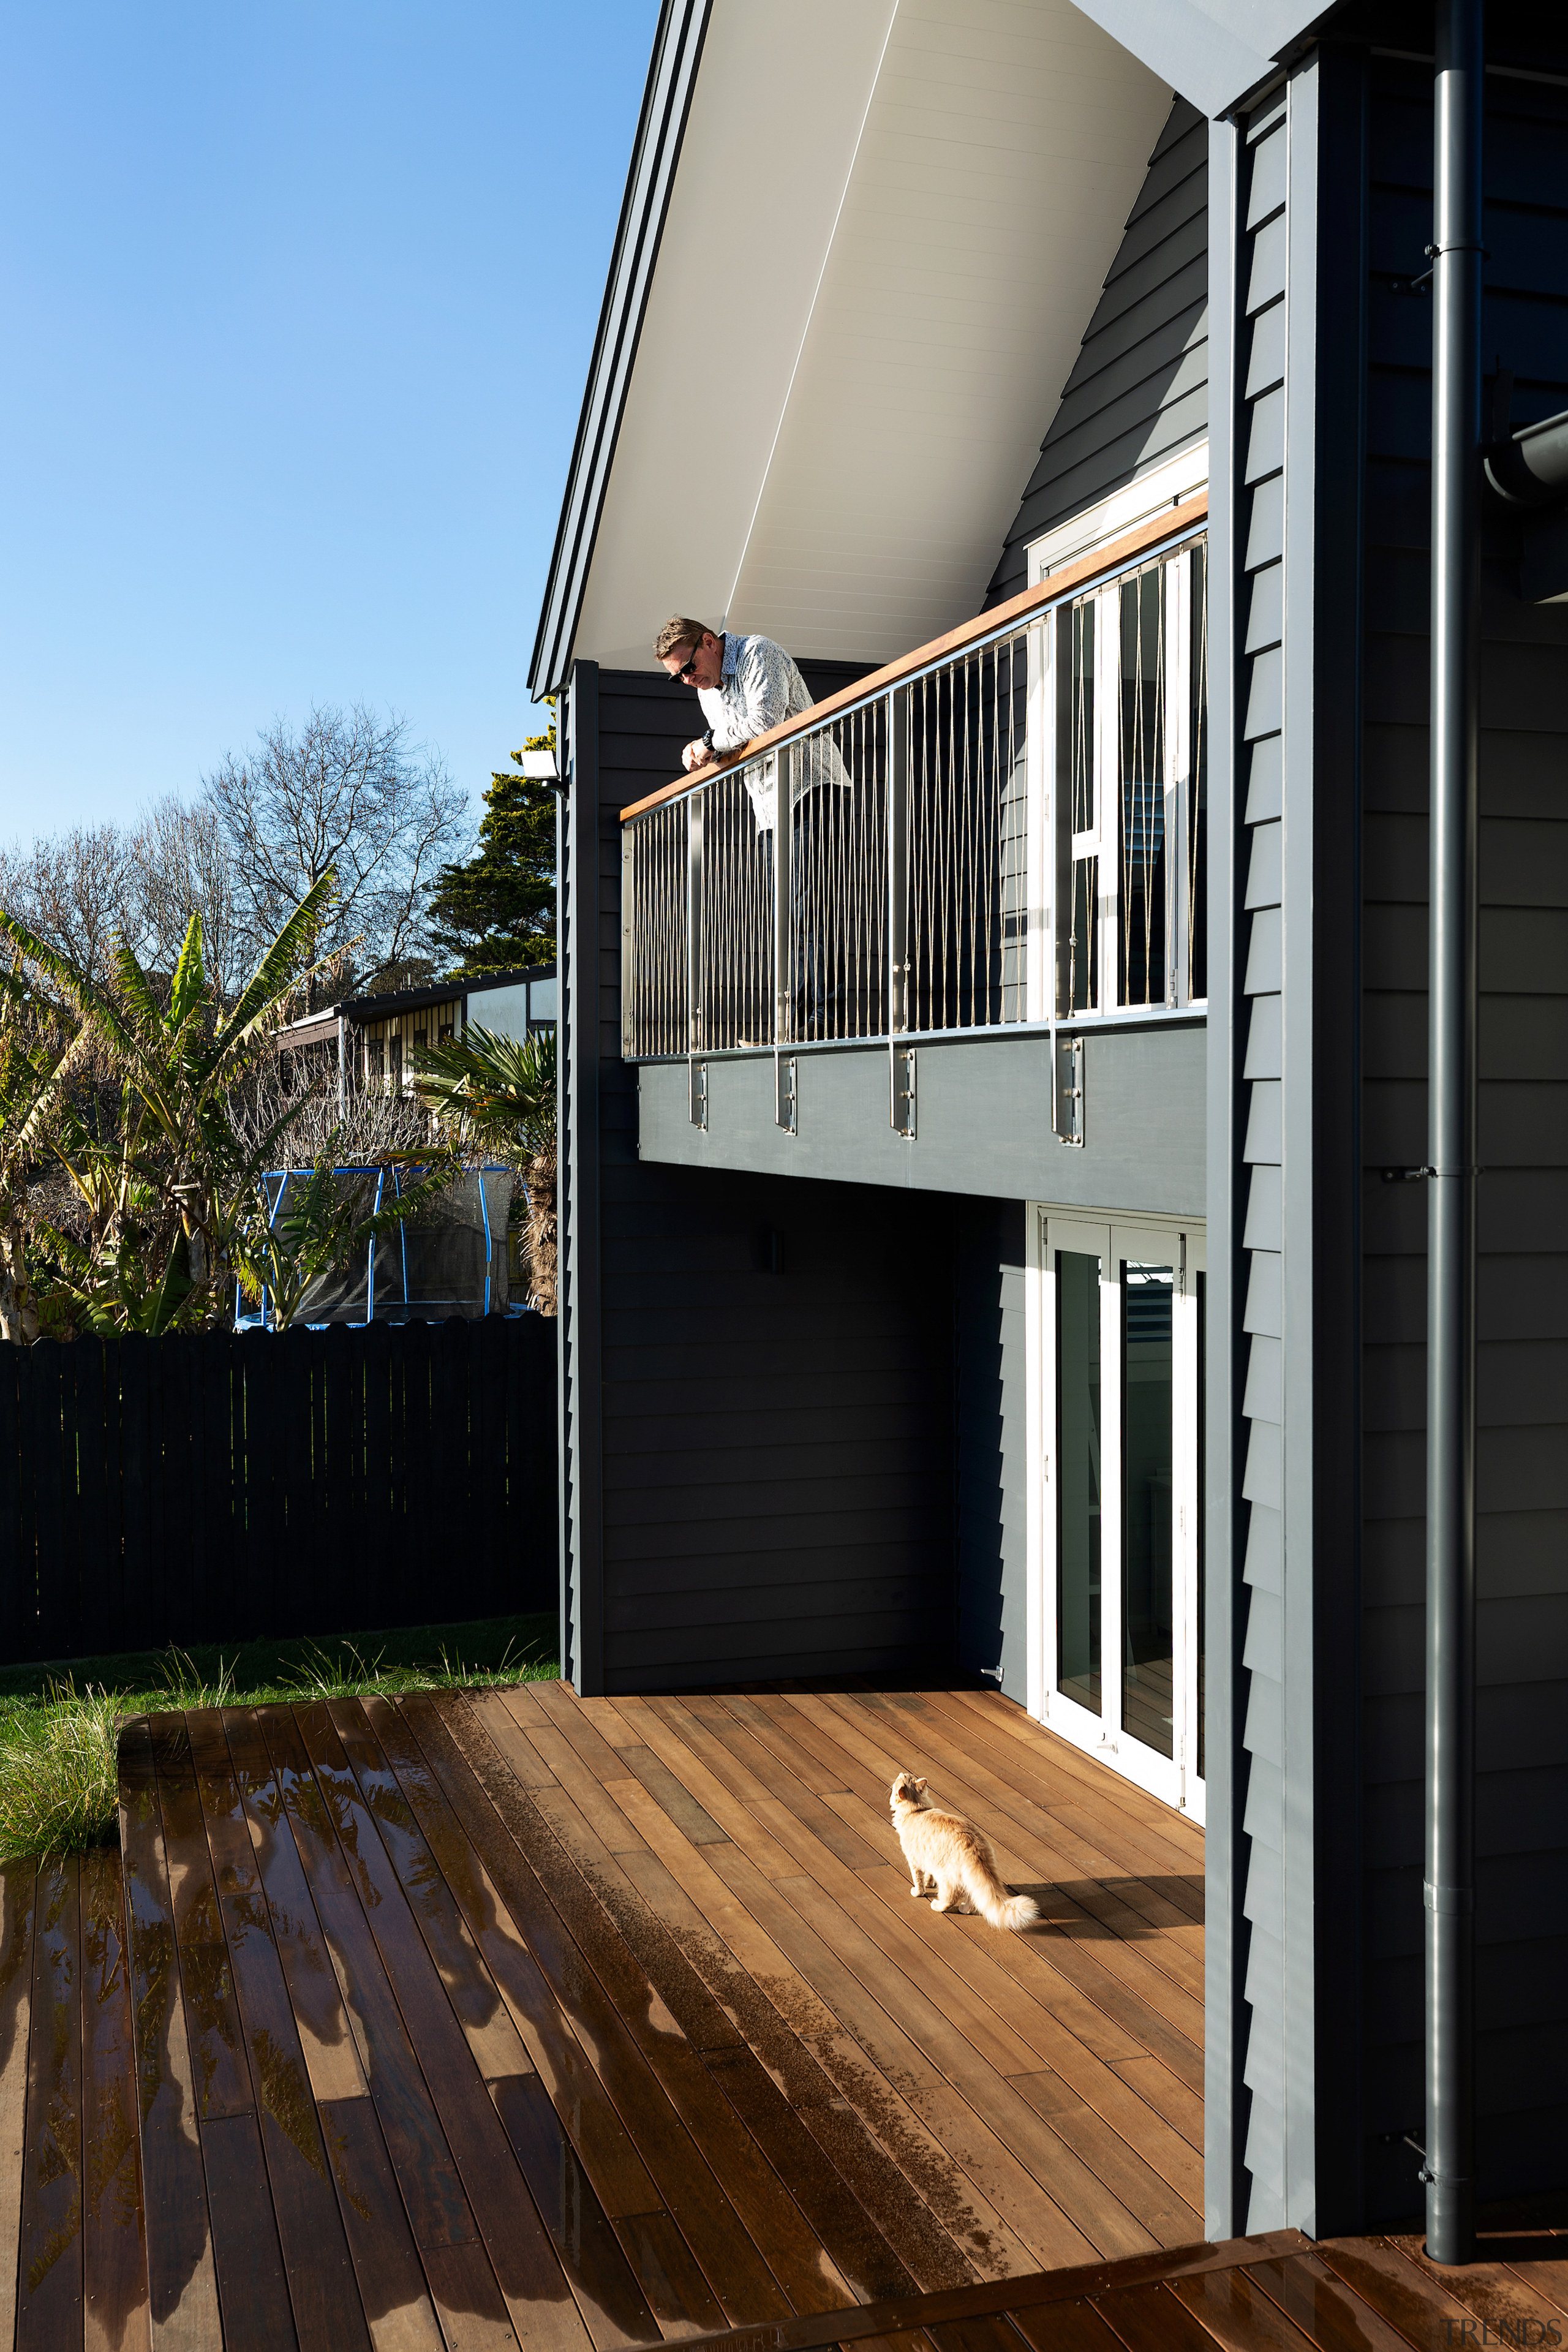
column 1077, row 1477
column 1198, row 790
column 1147, row 1647
column 1142, row 906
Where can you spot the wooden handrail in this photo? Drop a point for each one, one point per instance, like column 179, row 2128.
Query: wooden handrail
column 1112, row 557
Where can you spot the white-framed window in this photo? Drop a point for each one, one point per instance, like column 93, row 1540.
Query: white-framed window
column 1118, row 767
column 1163, row 487
column 1116, row 1310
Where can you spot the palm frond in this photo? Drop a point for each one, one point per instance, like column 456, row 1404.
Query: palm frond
column 90, row 1002
column 190, row 983
column 30, row 1127
column 491, row 1085
column 135, row 988
column 278, row 970
column 66, row 1249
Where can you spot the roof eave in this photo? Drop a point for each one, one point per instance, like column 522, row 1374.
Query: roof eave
column 667, row 97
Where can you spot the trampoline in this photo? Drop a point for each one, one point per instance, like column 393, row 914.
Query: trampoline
column 452, row 1261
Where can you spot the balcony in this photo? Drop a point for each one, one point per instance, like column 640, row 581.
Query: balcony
column 1000, row 836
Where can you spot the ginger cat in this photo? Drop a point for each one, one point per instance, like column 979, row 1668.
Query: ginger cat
column 955, row 1856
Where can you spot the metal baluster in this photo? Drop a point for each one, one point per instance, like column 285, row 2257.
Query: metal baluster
column 694, row 926
column 784, row 928
column 898, row 709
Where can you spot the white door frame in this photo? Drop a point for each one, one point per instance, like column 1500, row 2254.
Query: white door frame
column 1153, row 1241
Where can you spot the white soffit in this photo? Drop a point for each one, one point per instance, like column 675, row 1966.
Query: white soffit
column 781, row 97
column 889, row 227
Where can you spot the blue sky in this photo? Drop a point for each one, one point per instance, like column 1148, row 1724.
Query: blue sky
column 298, row 299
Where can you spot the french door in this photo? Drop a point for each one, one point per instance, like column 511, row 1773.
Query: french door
column 1116, row 1494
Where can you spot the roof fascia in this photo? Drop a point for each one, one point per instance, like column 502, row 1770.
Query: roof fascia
column 666, row 98
column 1213, row 51
column 440, row 992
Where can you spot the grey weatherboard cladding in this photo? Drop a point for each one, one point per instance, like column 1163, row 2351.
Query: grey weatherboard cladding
column 1138, row 392
column 1282, row 2016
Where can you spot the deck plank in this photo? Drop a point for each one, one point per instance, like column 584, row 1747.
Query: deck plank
column 328, row 2312
column 394, row 2291
column 1017, row 1820
column 612, row 2301
column 651, row 1909
column 230, row 1934
column 49, row 2288
column 609, row 2146
column 850, row 1976
column 530, row 2281
column 1179, row 2002
column 253, row 2288
column 318, row 1919
column 114, row 2242
column 1150, row 2319
column 523, row 2019
column 237, row 1843
column 860, row 2121
column 748, row 2235
column 18, row 1888
column 991, row 2012
column 1323, row 2307
column 182, row 2280
column 1005, row 1971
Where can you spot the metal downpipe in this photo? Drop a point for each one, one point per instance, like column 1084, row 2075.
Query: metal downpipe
column 1451, row 1178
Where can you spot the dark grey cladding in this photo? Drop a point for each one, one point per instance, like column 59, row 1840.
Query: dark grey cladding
column 1522, row 1276
column 1140, row 391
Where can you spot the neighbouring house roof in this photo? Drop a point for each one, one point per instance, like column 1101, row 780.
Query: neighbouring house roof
column 860, row 243
column 315, row 1026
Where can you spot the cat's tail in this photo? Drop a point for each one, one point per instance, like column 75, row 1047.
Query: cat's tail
column 1002, row 1909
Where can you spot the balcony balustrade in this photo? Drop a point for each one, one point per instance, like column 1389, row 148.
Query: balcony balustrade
column 1006, row 828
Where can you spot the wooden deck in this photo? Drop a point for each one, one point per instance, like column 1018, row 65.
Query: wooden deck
column 510, row 2018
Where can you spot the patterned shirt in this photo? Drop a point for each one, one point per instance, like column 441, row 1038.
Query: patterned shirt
column 759, row 686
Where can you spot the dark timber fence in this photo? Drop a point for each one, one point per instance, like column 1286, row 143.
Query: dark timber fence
column 218, row 1486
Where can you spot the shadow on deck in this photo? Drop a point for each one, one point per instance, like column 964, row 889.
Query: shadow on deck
column 499, row 2017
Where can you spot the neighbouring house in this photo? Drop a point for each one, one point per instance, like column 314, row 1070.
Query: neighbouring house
column 365, row 1041
column 994, row 1199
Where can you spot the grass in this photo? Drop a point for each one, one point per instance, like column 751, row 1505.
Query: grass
column 58, row 1789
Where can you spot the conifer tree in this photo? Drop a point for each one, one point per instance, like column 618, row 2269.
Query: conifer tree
column 498, row 909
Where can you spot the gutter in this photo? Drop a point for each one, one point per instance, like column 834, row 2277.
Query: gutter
column 1452, row 1007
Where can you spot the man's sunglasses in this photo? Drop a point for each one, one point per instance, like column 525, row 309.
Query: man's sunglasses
column 684, row 676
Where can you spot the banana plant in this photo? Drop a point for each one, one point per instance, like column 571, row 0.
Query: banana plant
column 39, row 1050
column 169, row 1197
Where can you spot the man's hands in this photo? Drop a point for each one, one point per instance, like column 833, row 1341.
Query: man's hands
column 702, row 755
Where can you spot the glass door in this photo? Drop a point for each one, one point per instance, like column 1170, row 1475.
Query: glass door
column 1118, row 1511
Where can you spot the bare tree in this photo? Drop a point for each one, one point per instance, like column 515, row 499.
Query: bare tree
column 180, row 863
column 72, row 889
column 369, row 1128
column 347, row 791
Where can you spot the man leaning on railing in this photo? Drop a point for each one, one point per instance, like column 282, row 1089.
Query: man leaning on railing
column 746, row 685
